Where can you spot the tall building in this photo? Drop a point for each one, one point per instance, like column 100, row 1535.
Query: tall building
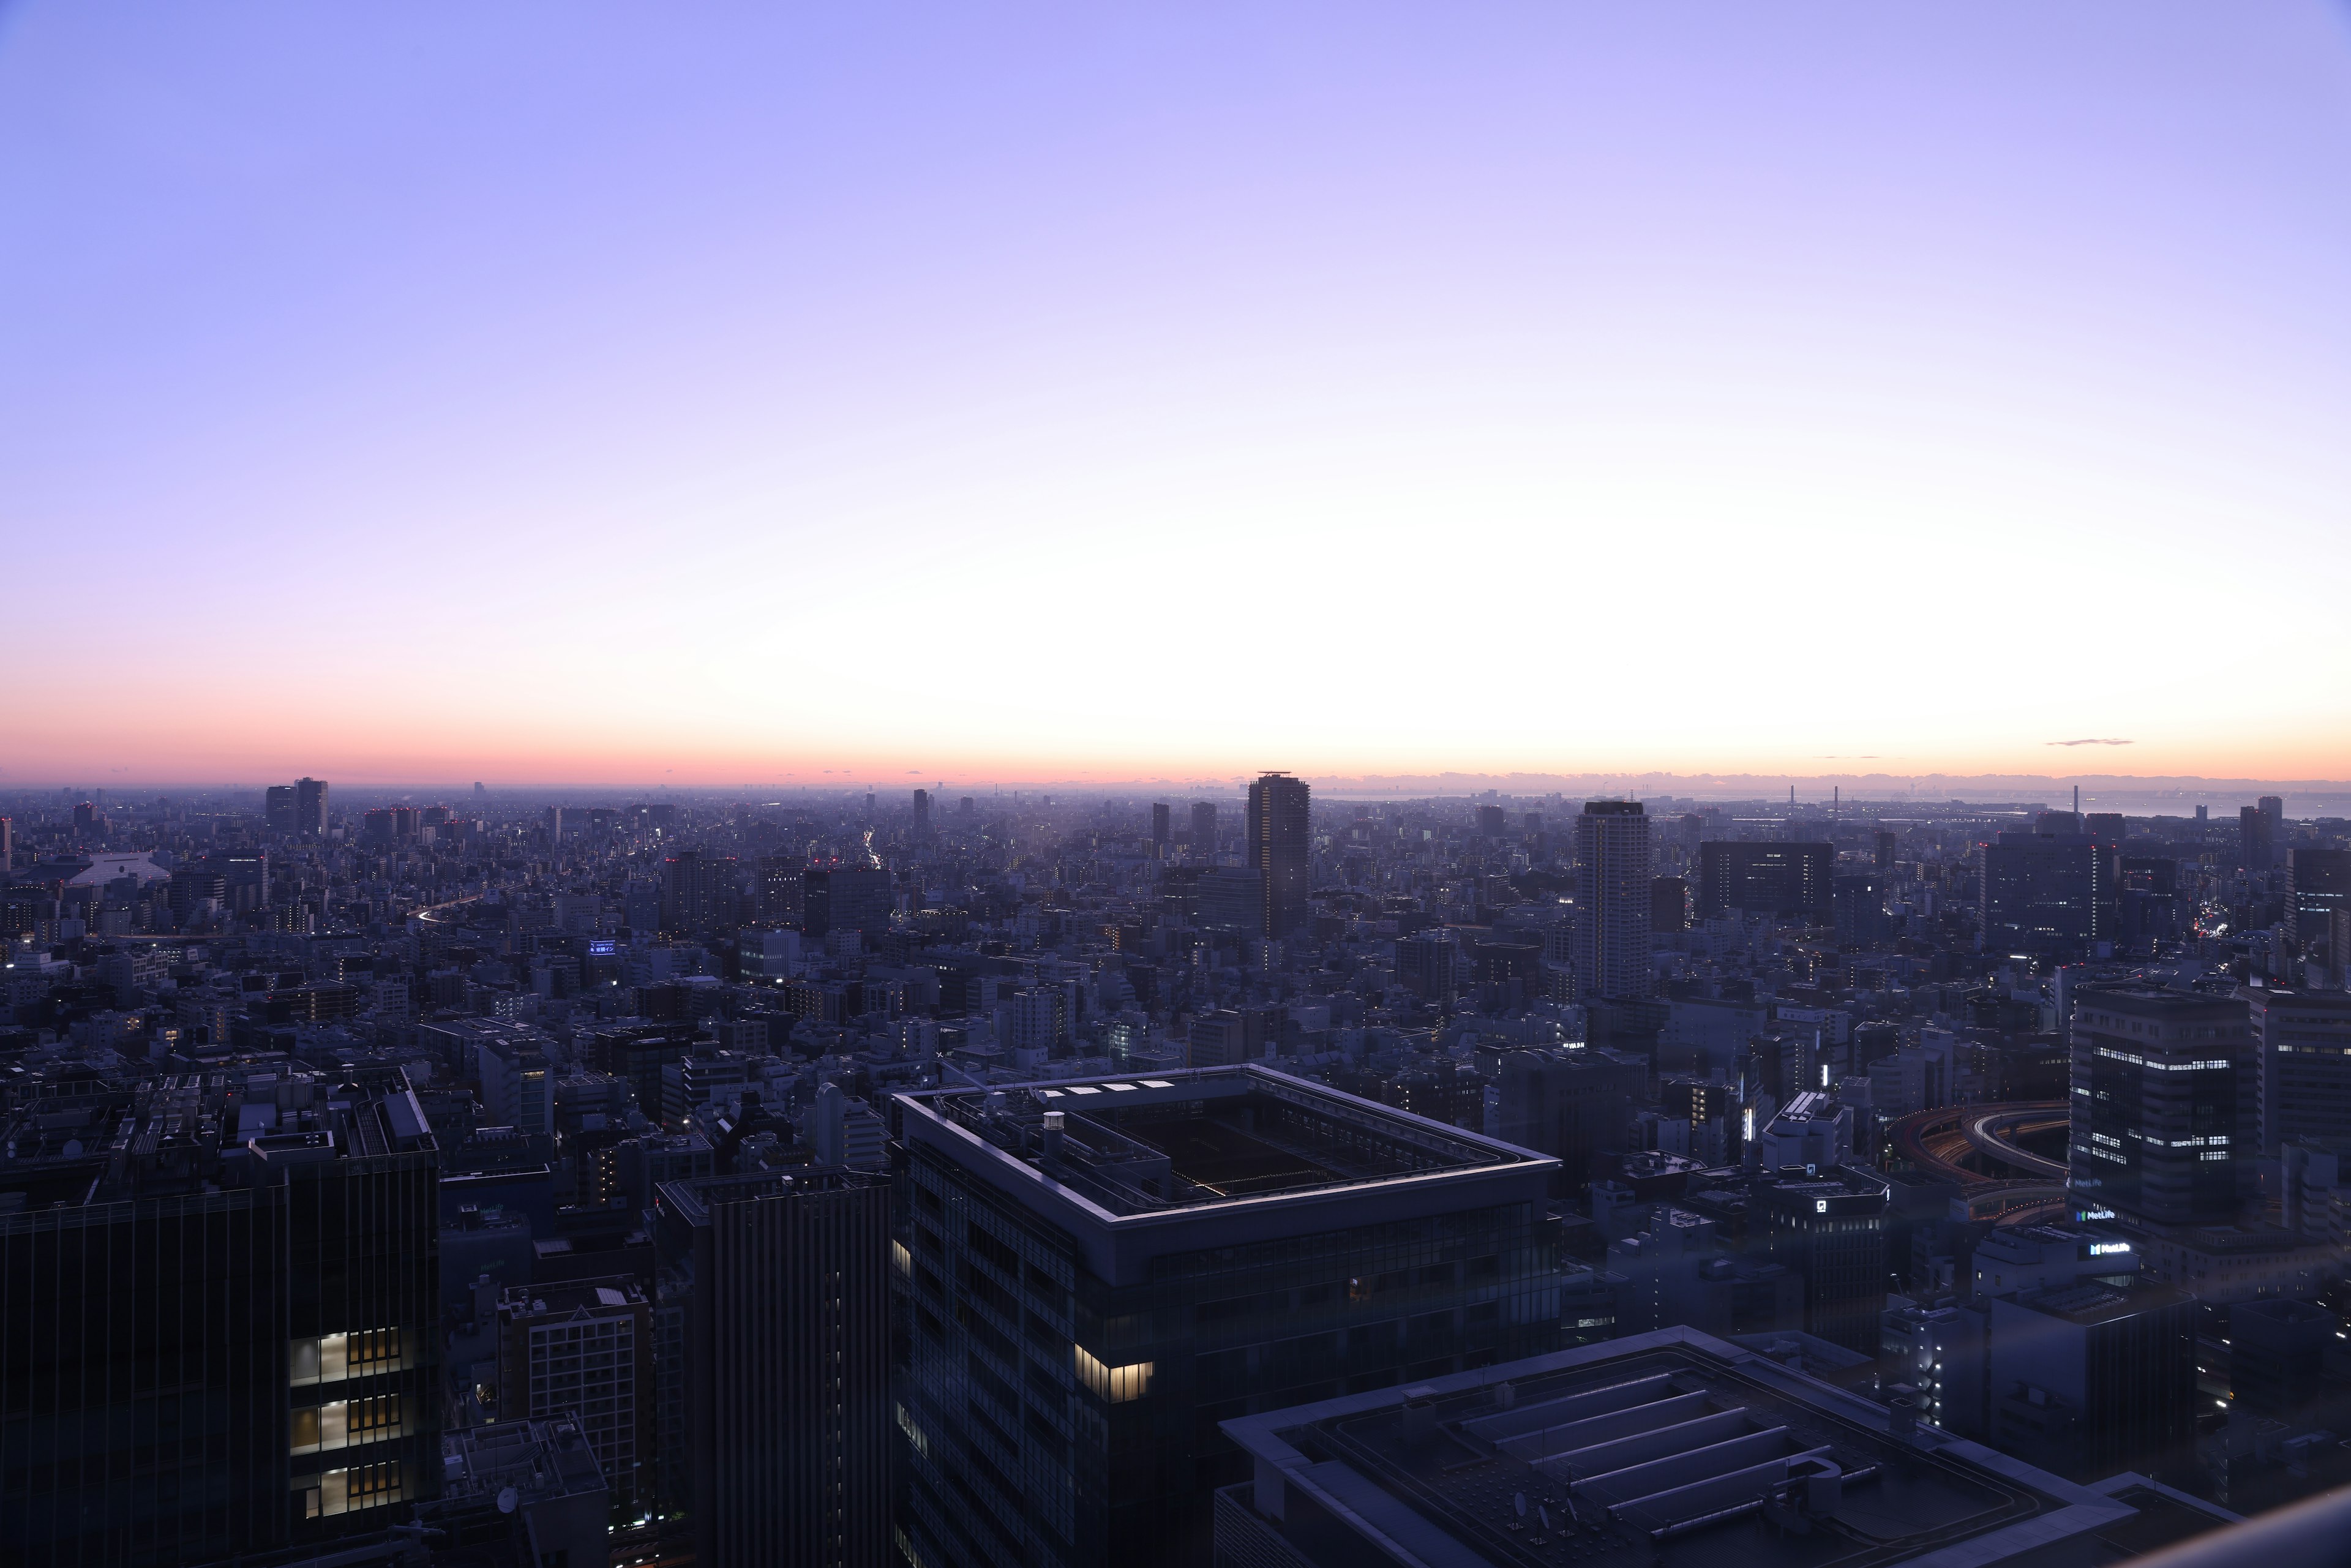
column 1100, row 1270
column 2047, row 892
column 1612, row 900
column 2301, row 1040
column 1204, row 829
column 2256, row 838
column 1572, row 1105
column 846, row 898
column 1159, row 827
column 281, row 808
column 1282, row 849
column 1857, row 910
column 246, row 1359
column 780, row 890
column 1830, row 1228
column 2164, row 1106
column 2318, row 883
column 922, row 813
column 785, row 1279
column 698, row 891
column 1787, row 879
column 584, row 1349
column 310, row 807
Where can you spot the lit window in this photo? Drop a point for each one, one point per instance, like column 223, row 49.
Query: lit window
column 1116, row 1383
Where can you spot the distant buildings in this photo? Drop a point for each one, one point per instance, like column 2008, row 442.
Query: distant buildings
column 2164, row 1108
column 1787, row 879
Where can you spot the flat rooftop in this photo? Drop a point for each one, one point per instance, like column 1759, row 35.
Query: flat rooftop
column 1136, row 1144
column 1669, row 1448
column 1146, row 1166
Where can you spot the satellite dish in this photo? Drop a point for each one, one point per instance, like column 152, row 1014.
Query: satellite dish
column 507, row 1499
column 1544, row 1514
column 1520, row 1501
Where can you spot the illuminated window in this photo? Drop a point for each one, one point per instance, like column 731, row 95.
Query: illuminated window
column 344, row 1423
column 349, row 1491
column 360, row 1354
column 1116, row 1383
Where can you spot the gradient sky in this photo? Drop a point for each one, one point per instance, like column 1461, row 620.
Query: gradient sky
column 559, row 392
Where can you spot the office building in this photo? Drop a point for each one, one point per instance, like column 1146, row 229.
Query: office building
column 1230, row 898
column 1493, row 821
column 281, row 808
column 698, row 892
column 2165, row 1091
column 2302, row 1042
column 1282, row 849
column 1669, row 903
column 1829, row 1227
column 2256, row 838
column 785, row 1280
column 1574, row 1105
column 2046, row 894
column 847, row 898
column 310, row 807
column 1159, row 827
column 2318, row 883
column 1204, row 829
column 1612, row 900
column 583, row 1349
column 1101, row 1269
column 780, row 888
column 1813, row 1129
column 1670, row 1447
column 1789, row 881
column 2087, row 1379
column 922, row 814
column 258, row 1369
column 1857, row 910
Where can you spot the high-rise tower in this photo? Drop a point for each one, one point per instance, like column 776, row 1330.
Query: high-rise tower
column 1612, row 900
column 1280, row 849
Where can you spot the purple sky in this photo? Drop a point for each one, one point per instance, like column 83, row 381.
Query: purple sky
column 556, row 393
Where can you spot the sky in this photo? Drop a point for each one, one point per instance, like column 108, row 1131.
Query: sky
column 566, row 392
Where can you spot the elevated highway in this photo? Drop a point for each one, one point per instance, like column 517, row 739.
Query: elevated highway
column 1981, row 1148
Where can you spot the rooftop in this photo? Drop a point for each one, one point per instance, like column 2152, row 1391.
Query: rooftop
column 1134, row 1146
column 1667, row 1447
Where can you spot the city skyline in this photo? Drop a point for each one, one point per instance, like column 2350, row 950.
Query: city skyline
column 562, row 397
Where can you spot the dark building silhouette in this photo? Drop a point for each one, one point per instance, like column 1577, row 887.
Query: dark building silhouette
column 1204, row 827
column 2164, row 1104
column 1280, row 849
column 846, row 898
column 785, row 1279
column 1669, row 903
column 1612, row 900
column 218, row 1324
column 1573, row 1104
column 2301, row 1043
column 698, row 891
column 1857, row 910
column 1101, row 1270
column 922, row 813
column 279, row 807
column 1788, row 880
column 310, row 807
column 1159, row 833
column 1831, row 1229
column 2318, row 883
column 781, row 891
column 2047, row 892
column 2087, row 1379
column 2256, row 838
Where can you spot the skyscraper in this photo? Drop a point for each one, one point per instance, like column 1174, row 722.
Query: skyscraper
column 1204, row 829
column 1159, row 827
column 786, row 1285
column 2164, row 1104
column 1776, row 879
column 279, row 808
column 310, row 807
column 2047, row 892
column 218, row 1322
column 1612, row 900
column 2256, row 837
column 922, row 813
column 1280, row 849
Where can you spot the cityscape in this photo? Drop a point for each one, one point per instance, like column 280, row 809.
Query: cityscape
column 1208, row 786
column 1054, row 1177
